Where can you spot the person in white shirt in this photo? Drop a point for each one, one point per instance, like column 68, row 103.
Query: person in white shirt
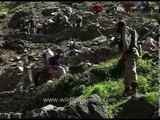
column 47, row 54
column 52, row 60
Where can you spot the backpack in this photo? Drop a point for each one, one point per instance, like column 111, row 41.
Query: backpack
column 134, row 42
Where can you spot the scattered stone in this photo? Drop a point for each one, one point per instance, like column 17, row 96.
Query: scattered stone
column 3, row 15
column 1, row 60
column 16, row 115
column 17, row 58
column 48, row 11
column 136, row 108
column 5, row 116
column 16, row 19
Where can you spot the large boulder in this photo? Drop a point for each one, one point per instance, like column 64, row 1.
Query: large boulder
column 89, row 108
column 9, row 78
column 10, row 115
column 16, row 19
column 136, row 108
column 4, row 116
column 48, row 111
column 15, row 44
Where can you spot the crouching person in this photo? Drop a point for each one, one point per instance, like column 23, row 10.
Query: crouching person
column 73, row 47
column 52, row 61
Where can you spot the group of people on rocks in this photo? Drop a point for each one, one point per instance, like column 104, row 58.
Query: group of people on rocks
column 54, row 23
column 69, row 17
column 128, row 46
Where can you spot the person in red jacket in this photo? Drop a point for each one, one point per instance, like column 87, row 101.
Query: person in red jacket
column 96, row 8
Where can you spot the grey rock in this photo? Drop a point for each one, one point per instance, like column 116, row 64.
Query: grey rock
column 48, row 111
column 16, row 115
column 5, row 116
column 91, row 107
column 156, row 115
column 1, row 60
column 48, row 11
column 136, row 108
column 15, row 20
column 75, row 109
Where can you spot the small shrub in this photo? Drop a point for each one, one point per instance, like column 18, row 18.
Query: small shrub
column 143, row 84
column 112, row 110
column 3, row 7
column 147, row 83
column 109, row 70
column 152, row 98
column 59, row 88
column 144, row 67
column 105, row 89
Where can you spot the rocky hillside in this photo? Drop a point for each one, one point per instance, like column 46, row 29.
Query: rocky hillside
column 94, row 87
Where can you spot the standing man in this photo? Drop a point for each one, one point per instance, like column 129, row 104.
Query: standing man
column 130, row 55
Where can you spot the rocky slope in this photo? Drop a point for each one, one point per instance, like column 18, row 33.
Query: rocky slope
column 100, row 83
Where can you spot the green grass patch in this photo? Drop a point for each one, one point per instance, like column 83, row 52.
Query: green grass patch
column 147, row 76
column 108, row 70
column 105, row 89
column 147, row 84
column 152, row 98
column 3, row 7
column 144, row 67
column 113, row 69
column 60, row 87
column 112, row 110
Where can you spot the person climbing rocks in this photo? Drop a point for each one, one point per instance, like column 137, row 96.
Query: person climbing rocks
column 44, row 26
column 57, row 20
column 26, row 25
column 47, row 54
column 129, row 57
column 53, row 61
column 96, row 8
column 32, row 25
column 68, row 11
column 73, row 47
column 64, row 22
column 79, row 20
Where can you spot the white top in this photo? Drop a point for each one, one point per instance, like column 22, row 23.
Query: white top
column 49, row 53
